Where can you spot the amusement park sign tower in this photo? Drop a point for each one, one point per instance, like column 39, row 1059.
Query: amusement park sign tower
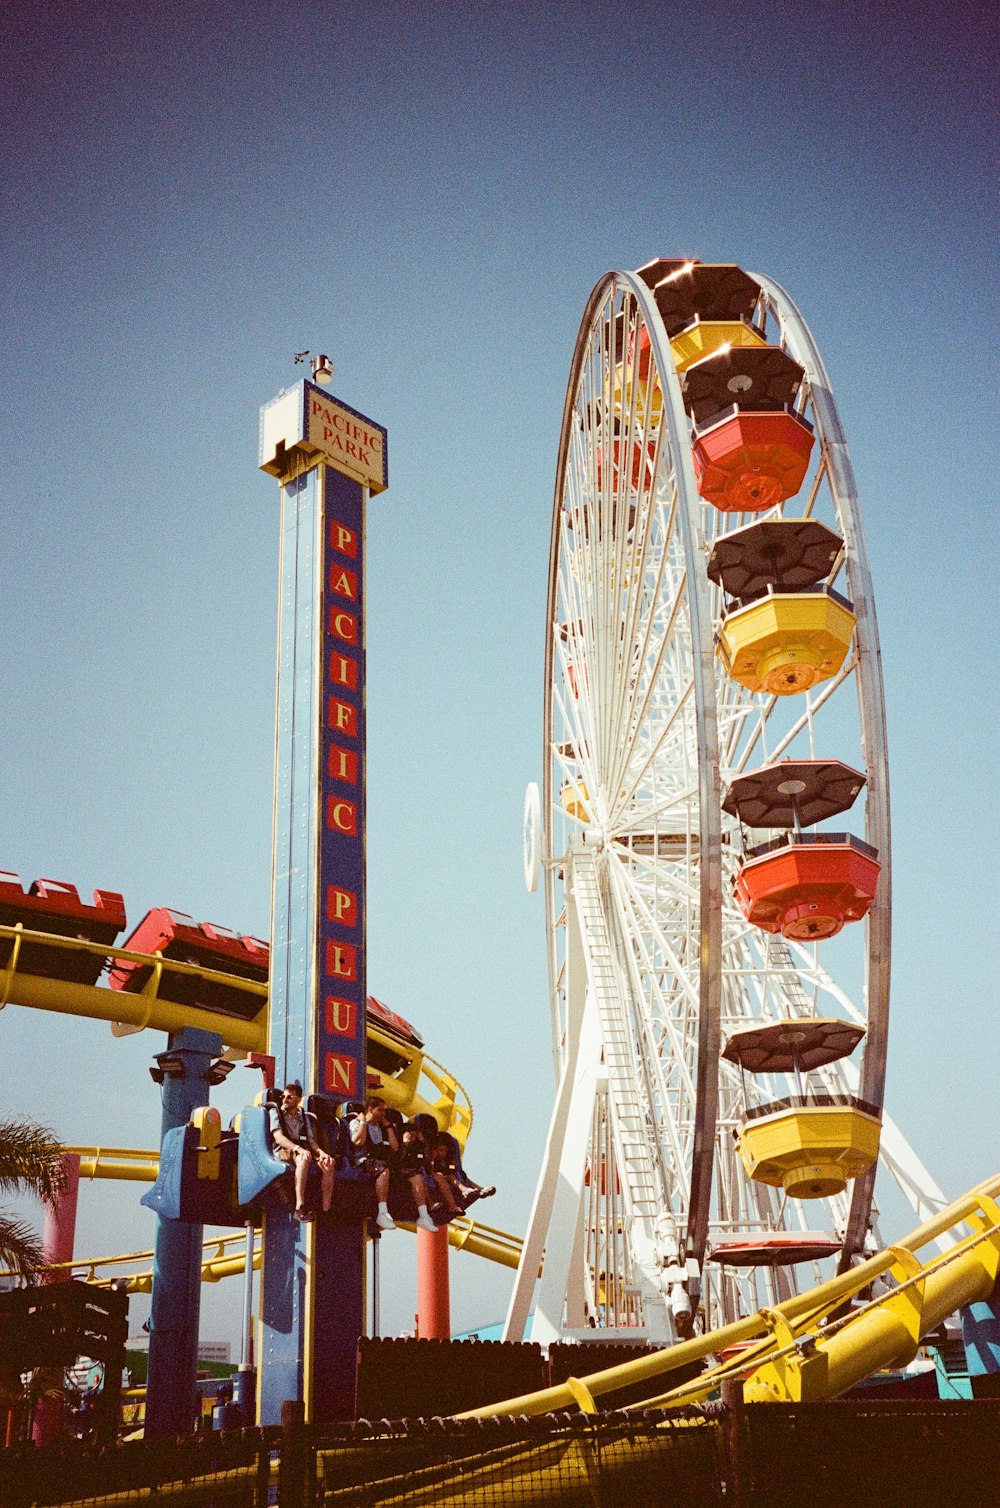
column 328, row 459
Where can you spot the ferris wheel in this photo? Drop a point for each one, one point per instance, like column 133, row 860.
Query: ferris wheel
column 718, row 961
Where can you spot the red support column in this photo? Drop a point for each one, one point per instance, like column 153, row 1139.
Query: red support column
column 433, row 1297
column 58, row 1238
column 59, row 1234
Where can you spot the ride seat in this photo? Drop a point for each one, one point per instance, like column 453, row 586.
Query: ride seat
column 331, row 1129
column 258, row 1167
column 427, row 1125
column 197, row 1179
column 431, row 1130
column 349, row 1110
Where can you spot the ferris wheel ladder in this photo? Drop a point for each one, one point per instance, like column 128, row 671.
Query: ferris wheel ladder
column 652, row 1231
column 636, row 1166
column 600, row 1060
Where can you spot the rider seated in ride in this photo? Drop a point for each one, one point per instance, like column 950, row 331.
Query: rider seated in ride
column 418, row 1156
column 293, row 1133
column 444, row 1167
column 377, row 1150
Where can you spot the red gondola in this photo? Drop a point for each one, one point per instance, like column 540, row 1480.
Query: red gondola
column 807, row 886
column 746, row 462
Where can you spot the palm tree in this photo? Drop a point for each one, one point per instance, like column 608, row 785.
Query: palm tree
column 30, row 1162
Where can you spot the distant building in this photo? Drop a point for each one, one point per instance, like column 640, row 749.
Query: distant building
column 214, row 1350
column 208, row 1350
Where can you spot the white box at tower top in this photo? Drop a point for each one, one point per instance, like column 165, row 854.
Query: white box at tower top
column 305, row 425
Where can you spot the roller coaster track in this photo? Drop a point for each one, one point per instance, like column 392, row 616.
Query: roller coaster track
column 146, row 1008
column 130, row 1012
column 819, row 1343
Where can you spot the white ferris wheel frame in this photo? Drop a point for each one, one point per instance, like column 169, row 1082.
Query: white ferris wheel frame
column 665, row 1254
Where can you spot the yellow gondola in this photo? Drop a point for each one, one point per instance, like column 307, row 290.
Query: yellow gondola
column 786, row 642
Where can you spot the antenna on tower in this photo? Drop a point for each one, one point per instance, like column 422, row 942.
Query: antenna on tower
column 322, row 367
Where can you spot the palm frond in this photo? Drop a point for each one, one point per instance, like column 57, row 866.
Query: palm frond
column 30, row 1159
column 20, row 1246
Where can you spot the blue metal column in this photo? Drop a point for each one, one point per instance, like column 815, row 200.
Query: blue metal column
column 171, row 1388
column 284, row 1258
column 312, row 1276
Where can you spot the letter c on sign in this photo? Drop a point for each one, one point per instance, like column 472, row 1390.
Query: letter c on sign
column 345, row 626
column 343, row 815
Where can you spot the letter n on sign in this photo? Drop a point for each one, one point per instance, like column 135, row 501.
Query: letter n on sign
column 341, row 1076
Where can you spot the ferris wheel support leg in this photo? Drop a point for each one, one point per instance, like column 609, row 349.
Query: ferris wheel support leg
column 567, row 1194
column 577, row 1282
column 533, row 1248
column 537, row 1240
column 912, row 1179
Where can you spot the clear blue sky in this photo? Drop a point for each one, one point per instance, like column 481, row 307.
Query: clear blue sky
column 194, row 192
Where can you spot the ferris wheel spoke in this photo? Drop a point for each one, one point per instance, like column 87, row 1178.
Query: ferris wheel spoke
column 637, row 628
column 828, row 985
column 644, row 930
column 814, row 490
column 672, row 1134
column 813, row 705
column 628, row 738
column 644, row 822
column 574, row 720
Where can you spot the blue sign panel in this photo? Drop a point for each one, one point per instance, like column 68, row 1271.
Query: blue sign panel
column 341, row 1026
column 294, row 903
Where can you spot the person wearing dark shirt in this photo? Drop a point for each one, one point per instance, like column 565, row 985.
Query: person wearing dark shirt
column 377, row 1151
column 445, row 1169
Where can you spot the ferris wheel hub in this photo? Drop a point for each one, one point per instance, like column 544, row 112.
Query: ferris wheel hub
column 532, row 836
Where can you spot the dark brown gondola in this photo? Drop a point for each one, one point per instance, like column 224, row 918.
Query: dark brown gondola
column 793, row 792
column 793, row 553
column 761, row 378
